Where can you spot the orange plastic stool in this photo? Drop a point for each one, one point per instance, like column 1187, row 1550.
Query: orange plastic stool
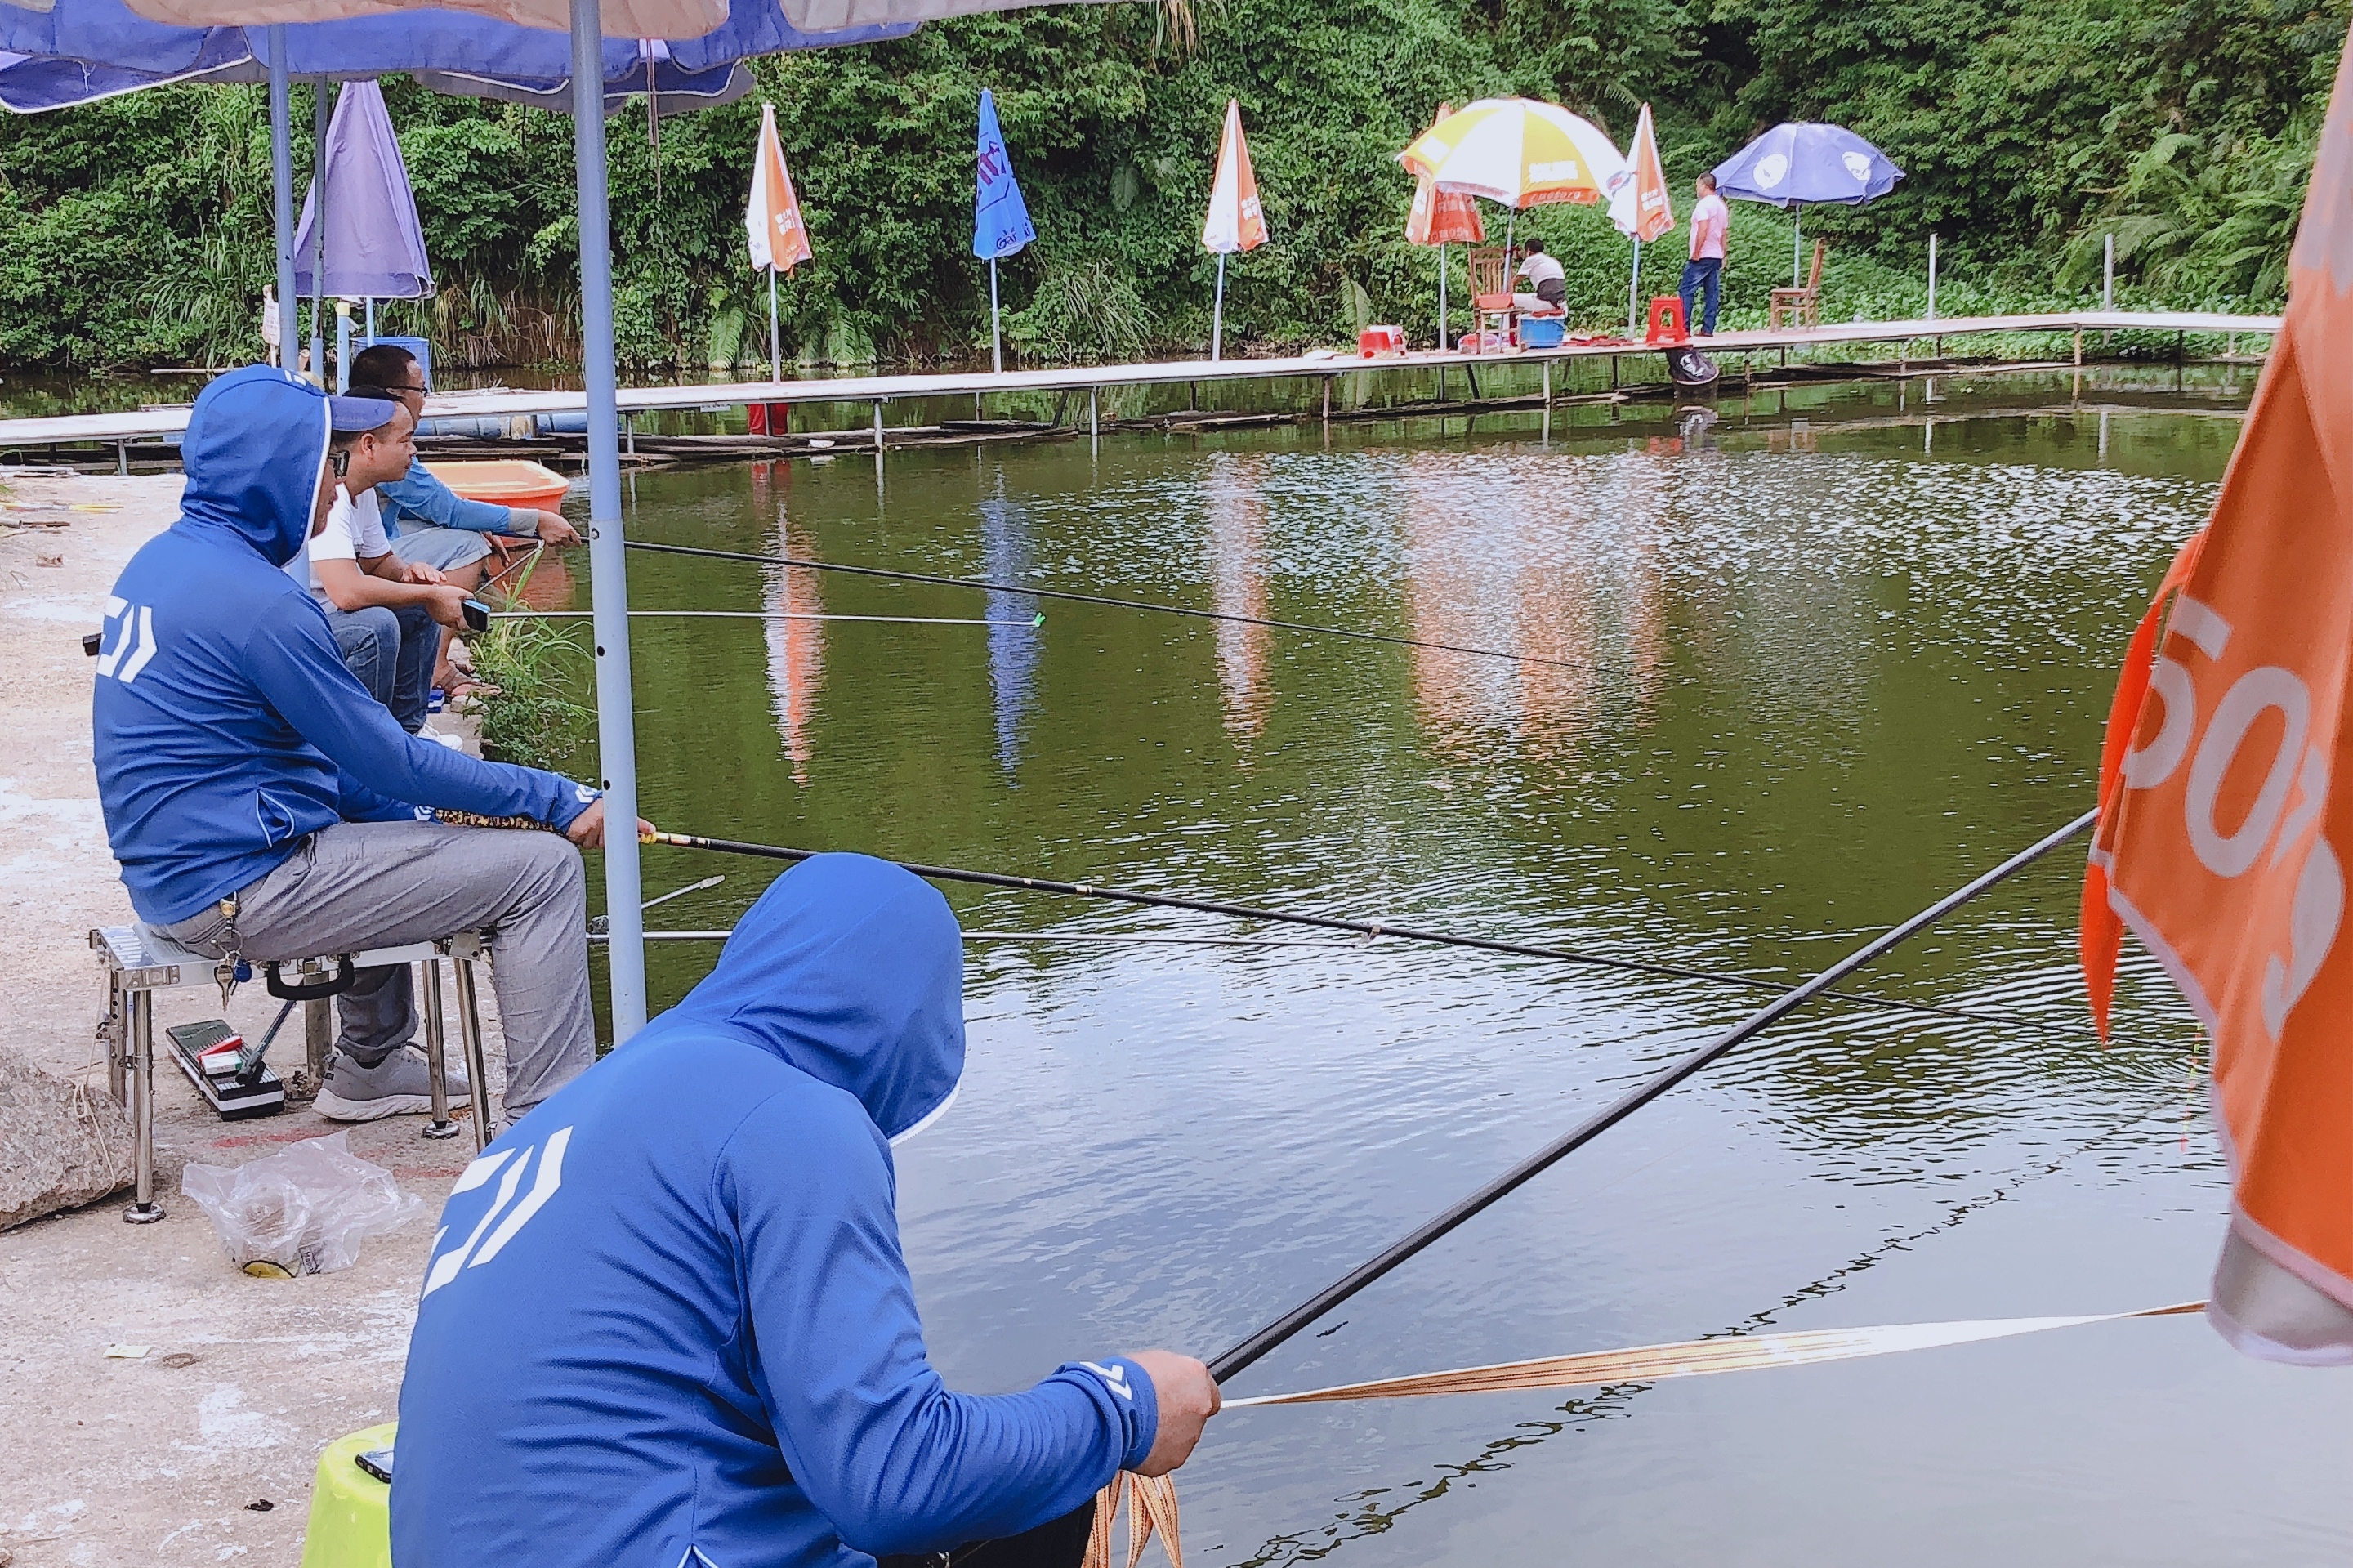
column 1667, row 324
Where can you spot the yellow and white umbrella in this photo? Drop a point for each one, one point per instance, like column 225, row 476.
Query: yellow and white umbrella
column 1518, row 152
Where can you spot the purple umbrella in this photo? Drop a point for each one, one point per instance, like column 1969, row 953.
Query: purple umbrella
column 374, row 245
column 1801, row 162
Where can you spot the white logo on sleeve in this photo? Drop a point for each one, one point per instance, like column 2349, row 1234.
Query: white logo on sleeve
column 133, row 642
column 1115, row 1379
column 480, row 1248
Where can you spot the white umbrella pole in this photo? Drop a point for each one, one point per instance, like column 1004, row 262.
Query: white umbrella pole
column 1634, row 286
column 282, row 199
column 776, row 343
column 319, row 228
column 609, row 588
column 371, row 318
column 1441, row 297
column 1218, row 314
column 996, row 334
column 1797, row 245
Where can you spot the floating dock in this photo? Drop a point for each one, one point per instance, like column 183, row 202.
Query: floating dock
column 521, row 414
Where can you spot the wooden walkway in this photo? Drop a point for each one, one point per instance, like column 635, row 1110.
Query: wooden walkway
column 149, row 424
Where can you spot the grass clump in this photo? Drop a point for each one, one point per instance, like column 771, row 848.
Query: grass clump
column 534, row 720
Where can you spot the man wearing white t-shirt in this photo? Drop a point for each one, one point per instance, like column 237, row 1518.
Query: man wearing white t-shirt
column 1547, row 282
column 1702, row 282
column 380, row 609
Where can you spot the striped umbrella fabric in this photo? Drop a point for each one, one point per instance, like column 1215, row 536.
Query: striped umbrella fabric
column 1518, row 152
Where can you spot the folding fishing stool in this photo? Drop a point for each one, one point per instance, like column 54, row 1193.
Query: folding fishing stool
column 139, row 960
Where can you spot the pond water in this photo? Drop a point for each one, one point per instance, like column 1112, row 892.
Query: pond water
column 1811, row 665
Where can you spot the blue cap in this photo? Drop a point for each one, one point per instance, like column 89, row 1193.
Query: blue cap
column 356, row 414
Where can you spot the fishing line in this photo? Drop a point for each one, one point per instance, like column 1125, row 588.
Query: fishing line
column 1073, row 597
column 1653, row 966
column 597, row 935
column 1274, row 1333
column 1031, row 624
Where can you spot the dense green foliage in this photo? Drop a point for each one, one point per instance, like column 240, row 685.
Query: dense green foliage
column 137, row 230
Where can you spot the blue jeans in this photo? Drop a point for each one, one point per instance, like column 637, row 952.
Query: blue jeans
column 1703, row 274
column 391, row 651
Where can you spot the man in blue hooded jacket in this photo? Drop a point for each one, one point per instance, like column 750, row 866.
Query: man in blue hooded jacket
column 667, row 1323
column 263, row 805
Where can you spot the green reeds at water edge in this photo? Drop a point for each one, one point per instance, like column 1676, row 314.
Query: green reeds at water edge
column 534, row 720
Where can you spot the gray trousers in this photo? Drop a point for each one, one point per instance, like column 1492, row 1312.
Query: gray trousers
column 379, row 885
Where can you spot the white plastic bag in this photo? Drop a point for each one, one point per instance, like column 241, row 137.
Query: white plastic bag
column 305, row 1211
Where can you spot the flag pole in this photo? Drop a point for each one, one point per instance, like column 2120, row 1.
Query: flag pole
column 1218, row 314
column 775, row 345
column 995, row 336
column 1634, row 284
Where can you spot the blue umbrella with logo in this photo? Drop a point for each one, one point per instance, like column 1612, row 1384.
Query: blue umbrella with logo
column 1801, row 161
column 1000, row 218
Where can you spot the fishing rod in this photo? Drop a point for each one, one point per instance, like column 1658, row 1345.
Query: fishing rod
column 1034, row 622
column 1335, row 923
column 1259, row 1343
column 1073, row 598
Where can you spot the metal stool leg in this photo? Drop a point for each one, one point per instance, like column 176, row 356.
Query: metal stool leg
column 470, row 1028
column 145, row 1211
column 436, row 1070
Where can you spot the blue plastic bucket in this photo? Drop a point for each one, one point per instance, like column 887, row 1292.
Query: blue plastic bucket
column 1542, row 332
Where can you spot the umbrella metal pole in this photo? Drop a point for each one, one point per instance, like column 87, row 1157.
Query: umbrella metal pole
column 1797, row 245
column 996, row 334
column 1442, row 305
column 607, row 564
column 282, row 196
column 1218, row 315
column 776, row 343
column 371, row 318
column 1634, row 284
column 319, row 227
column 343, row 346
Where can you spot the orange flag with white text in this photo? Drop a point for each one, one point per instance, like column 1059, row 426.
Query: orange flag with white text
column 773, row 219
column 1641, row 207
column 2222, row 825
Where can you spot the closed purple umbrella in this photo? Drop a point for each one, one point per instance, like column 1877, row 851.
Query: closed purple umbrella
column 375, row 246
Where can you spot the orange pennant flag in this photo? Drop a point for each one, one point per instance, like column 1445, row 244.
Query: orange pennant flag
column 773, row 219
column 2218, row 834
column 1641, row 208
column 1442, row 218
column 1235, row 222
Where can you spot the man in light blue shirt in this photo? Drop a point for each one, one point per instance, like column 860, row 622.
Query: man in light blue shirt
column 435, row 524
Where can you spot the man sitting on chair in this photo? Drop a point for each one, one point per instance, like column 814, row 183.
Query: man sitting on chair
column 1547, row 284
column 263, row 806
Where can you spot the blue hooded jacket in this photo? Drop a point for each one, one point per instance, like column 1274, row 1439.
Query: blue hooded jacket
column 666, row 1322
column 226, row 726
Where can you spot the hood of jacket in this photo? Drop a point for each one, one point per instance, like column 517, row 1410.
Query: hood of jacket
column 851, row 969
column 255, row 442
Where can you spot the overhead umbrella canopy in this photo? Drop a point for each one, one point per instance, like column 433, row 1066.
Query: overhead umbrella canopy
column 374, row 244
column 1802, row 161
column 83, row 50
column 620, row 18
column 1518, row 152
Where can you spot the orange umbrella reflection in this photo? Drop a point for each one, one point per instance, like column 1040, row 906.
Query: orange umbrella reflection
column 795, row 649
column 1237, row 572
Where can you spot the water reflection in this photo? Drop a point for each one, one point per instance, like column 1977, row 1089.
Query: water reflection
column 796, row 647
column 1006, row 537
column 1234, row 501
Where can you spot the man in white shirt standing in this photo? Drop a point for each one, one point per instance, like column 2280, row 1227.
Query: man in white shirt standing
column 1704, row 273
column 381, row 609
column 1547, row 282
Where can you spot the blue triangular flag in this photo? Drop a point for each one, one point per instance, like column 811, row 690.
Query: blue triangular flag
column 1000, row 223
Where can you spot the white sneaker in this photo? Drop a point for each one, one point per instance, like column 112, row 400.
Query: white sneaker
column 397, row 1086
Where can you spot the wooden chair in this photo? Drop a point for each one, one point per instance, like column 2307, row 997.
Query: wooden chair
column 1491, row 290
column 1803, row 306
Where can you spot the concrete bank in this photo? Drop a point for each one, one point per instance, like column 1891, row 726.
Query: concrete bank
column 169, row 1458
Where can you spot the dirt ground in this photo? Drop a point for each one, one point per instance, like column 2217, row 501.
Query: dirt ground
column 201, row 1450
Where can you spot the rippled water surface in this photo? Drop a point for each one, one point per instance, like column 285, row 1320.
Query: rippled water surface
column 1803, row 671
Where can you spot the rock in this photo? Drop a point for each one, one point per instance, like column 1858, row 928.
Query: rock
column 59, row 1144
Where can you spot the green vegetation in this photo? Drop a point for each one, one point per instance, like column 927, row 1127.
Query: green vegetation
column 539, row 667
column 137, row 231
